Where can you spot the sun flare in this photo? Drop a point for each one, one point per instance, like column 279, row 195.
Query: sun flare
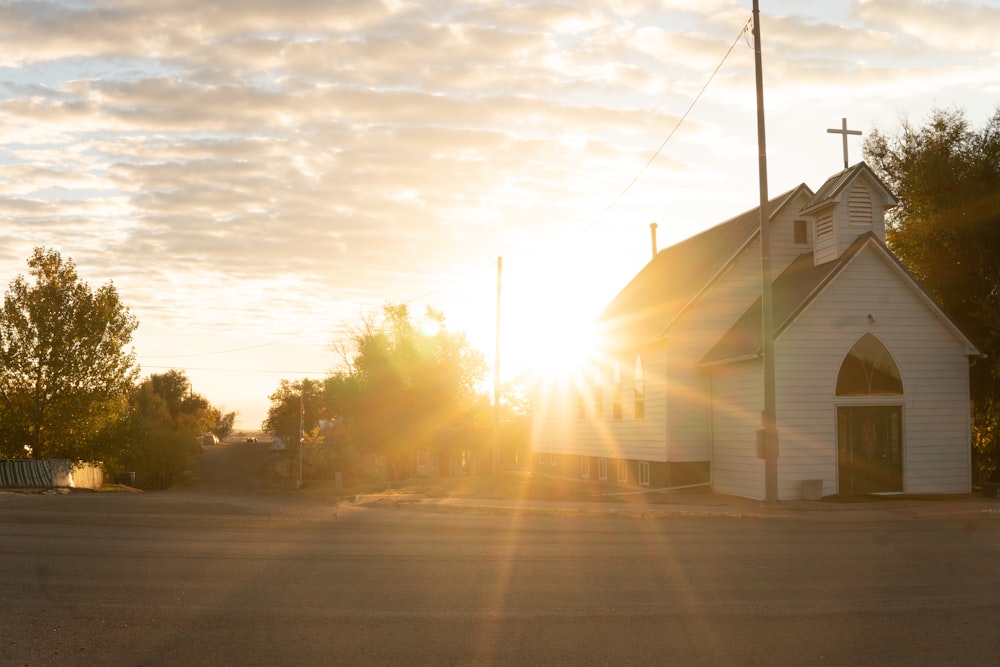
column 550, row 342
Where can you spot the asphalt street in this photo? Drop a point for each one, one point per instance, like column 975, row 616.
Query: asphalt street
column 199, row 578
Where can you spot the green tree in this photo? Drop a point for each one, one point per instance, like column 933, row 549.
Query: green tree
column 65, row 367
column 946, row 231
column 224, row 423
column 162, row 436
column 412, row 383
column 401, row 386
column 291, row 399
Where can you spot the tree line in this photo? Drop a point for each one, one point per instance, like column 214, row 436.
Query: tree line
column 69, row 382
column 406, row 386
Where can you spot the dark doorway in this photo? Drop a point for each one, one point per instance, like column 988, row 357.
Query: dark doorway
column 870, row 449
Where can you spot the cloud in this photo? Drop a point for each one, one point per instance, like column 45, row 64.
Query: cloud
column 951, row 26
column 294, row 162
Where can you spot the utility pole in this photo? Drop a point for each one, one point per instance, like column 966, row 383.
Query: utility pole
column 302, row 434
column 770, row 418
column 496, row 376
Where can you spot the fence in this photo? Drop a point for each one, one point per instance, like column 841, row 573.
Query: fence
column 29, row 473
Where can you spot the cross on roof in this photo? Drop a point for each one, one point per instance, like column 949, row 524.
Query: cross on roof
column 844, row 132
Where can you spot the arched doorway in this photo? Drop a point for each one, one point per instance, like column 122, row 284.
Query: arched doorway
column 869, row 425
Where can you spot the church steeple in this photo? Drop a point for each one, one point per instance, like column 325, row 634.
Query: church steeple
column 849, row 204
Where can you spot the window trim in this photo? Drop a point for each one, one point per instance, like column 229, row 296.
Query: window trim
column 602, row 469
column 623, row 471
column 643, row 473
column 585, row 467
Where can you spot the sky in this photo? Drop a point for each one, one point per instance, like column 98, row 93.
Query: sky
column 257, row 176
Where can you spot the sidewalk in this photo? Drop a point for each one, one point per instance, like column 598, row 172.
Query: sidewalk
column 705, row 504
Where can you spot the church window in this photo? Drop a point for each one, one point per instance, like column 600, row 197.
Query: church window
column 869, row 370
column 616, row 392
column 640, row 389
column 800, row 232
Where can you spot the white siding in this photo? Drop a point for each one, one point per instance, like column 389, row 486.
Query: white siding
column 737, row 394
column 692, row 336
column 932, row 363
column 784, row 249
column 558, row 429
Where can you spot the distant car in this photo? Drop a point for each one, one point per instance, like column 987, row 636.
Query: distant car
column 251, row 439
column 209, row 439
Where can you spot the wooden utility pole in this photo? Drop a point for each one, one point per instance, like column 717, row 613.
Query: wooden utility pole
column 496, row 376
column 770, row 427
column 302, row 432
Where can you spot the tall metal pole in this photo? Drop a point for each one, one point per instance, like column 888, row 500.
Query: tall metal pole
column 496, row 375
column 767, row 315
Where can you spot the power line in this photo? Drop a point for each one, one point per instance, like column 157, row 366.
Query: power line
column 235, row 349
column 237, row 370
column 697, row 97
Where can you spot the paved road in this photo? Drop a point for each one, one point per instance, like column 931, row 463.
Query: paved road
column 197, row 578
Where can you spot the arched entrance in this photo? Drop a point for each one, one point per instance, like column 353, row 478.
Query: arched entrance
column 869, row 421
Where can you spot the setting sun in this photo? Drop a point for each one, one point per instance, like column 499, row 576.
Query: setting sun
column 548, row 330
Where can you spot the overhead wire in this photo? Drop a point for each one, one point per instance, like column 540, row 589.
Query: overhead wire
column 744, row 31
column 680, row 121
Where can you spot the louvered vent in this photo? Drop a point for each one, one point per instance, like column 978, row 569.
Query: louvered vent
column 824, row 230
column 859, row 207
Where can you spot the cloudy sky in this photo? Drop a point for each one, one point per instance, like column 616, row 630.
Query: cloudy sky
column 257, row 175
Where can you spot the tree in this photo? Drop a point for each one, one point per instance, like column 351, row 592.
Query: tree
column 65, row 368
column 946, row 231
column 162, row 436
column 400, row 387
column 292, row 399
column 412, row 384
column 224, row 423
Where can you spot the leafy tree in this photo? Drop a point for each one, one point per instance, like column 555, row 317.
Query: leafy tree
column 291, row 399
column 946, row 230
column 65, row 370
column 164, row 429
column 411, row 384
column 224, row 423
column 401, row 386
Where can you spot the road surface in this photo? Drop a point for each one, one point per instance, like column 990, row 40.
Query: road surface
column 199, row 578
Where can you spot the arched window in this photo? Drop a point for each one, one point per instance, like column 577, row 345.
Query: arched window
column 869, row 370
column 640, row 389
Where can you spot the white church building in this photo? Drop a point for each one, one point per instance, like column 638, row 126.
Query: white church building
column 871, row 376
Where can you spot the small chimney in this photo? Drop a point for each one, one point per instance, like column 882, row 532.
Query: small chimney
column 652, row 234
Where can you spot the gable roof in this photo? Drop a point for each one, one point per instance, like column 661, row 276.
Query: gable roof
column 678, row 274
column 795, row 289
column 836, row 184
